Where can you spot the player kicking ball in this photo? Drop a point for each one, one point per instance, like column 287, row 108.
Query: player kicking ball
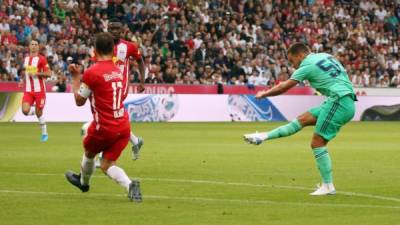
column 36, row 71
column 109, row 132
column 328, row 76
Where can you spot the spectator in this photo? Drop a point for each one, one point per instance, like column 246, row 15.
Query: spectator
column 4, row 25
column 60, row 85
column 4, row 75
column 244, row 42
column 201, row 54
column 237, row 70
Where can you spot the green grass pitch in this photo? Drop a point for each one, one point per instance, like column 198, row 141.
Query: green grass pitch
column 203, row 174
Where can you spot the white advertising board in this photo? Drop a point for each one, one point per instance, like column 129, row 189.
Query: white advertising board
column 199, row 108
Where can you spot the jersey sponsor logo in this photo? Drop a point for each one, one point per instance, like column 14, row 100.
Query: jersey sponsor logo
column 31, row 70
column 112, row 76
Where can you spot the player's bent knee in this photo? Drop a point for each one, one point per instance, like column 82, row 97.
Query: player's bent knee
column 307, row 119
column 316, row 145
column 104, row 168
column 318, row 141
column 26, row 110
column 105, row 164
column 39, row 114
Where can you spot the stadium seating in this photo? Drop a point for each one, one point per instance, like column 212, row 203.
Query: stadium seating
column 209, row 42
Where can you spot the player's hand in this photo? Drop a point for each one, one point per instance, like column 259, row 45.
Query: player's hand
column 260, row 94
column 140, row 88
column 74, row 69
column 20, row 84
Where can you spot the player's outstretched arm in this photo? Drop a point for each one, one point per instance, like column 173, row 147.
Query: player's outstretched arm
column 81, row 91
column 278, row 89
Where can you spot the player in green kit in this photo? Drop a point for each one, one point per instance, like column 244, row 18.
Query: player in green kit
column 327, row 76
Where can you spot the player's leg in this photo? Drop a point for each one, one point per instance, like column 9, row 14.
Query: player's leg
column 42, row 123
column 324, row 165
column 306, row 119
column 92, row 145
column 333, row 116
column 27, row 102
column 116, row 173
column 82, row 180
column 84, row 133
column 98, row 160
column 40, row 99
column 137, row 143
column 87, row 168
column 26, row 108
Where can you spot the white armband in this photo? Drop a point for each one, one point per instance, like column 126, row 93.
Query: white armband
column 84, row 91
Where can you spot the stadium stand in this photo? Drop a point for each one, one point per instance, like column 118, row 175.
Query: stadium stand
column 209, row 42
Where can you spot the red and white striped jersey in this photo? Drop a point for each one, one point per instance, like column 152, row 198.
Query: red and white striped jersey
column 105, row 82
column 122, row 52
column 32, row 66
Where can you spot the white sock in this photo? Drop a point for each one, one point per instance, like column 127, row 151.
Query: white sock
column 87, row 169
column 134, row 140
column 329, row 186
column 43, row 125
column 32, row 111
column 118, row 175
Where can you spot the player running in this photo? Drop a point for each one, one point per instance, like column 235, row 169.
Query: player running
column 123, row 52
column 104, row 84
column 328, row 76
column 36, row 71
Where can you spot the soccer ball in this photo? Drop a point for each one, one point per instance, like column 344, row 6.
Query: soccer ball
column 85, row 128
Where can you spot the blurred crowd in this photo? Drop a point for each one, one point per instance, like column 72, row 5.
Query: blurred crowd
column 237, row 42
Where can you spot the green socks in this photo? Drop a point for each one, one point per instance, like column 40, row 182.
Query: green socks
column 321, row 154
column 324, row 164
column 286, row 130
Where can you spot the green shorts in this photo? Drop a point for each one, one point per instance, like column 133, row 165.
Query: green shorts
column 332, row 115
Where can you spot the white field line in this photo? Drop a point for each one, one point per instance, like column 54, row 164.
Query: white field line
column 201, row 199
column 355, row 194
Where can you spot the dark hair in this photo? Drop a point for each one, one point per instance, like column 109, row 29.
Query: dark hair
column 34, row 39
column 104, row 43
column 297, row 48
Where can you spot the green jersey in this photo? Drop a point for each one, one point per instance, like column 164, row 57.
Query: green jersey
column 325, row 74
